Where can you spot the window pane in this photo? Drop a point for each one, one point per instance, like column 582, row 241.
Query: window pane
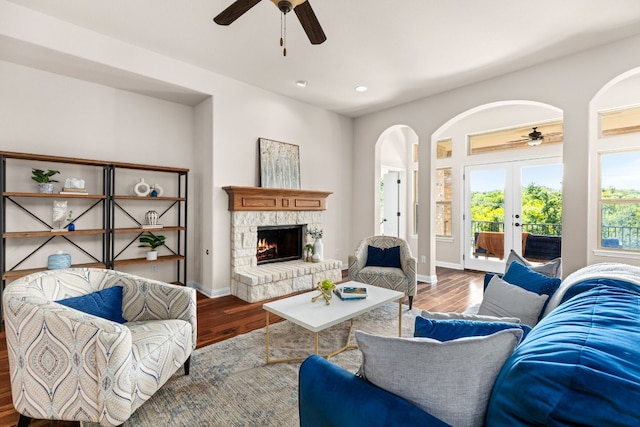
column 443, row 149
column 620, row 175
column 509, row 139
column 620, row 227
column 620, row 200
column 443, row 202
column 620, row 122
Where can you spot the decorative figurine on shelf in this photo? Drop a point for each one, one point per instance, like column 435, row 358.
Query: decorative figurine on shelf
column 325, row 287
column 141, row 189
column 156, row 191
column 71, row 226
column 58, row 214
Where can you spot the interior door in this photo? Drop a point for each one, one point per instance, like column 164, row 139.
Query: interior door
column 505, row 203
column 393, row 220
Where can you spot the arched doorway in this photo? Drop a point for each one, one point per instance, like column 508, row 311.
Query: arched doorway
column 473, row 174
column 396, row 166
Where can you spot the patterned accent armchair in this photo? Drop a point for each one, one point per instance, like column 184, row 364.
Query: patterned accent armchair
column 68, row 365
column 400, row 279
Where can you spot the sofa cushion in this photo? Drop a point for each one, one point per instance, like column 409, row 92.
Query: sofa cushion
column 106, row 303
column 466, row 316
column 502, row 299
column 447, row 330
column 551, row 268
column 451, row 380
column 523, row 276
column 579, row 366
column 383, row 257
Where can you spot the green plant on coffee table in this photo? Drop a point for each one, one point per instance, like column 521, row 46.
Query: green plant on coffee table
column 42, row 177
column 151, row 241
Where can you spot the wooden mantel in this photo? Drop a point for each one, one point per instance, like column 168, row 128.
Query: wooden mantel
column 275, row 199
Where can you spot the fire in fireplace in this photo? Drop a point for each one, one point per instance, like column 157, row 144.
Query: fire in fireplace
column 279, row 243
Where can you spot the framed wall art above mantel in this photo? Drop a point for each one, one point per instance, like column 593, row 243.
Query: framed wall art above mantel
column 279, row 164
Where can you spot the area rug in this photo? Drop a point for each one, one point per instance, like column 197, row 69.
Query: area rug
column 230, row 385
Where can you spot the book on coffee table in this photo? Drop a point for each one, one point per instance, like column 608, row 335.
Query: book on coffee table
column 351, row 292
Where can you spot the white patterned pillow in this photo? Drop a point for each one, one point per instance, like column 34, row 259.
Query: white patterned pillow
column 451, row 380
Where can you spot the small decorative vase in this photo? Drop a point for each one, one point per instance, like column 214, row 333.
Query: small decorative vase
column 46, row 187
column 71, row 227
column 159, row 190
column 151, row 217
column 152, row 255
column 318, row 249
column 141, row 188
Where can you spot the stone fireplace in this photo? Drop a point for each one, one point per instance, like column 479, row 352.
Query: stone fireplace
column 255, row 209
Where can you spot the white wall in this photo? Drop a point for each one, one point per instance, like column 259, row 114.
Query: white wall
column 567, row 83
column 217, row 139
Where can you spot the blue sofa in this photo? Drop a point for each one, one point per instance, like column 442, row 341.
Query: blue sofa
column 580, row 365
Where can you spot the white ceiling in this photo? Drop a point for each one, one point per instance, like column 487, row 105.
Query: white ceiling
column 401, row 50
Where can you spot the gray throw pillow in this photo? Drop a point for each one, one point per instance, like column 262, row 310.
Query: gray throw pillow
column 552, row 268
column 451, row 380
column 466, row 316
column 503, row 299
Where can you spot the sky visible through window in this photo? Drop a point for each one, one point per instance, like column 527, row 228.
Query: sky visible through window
column 620, row 170
column 549, row 176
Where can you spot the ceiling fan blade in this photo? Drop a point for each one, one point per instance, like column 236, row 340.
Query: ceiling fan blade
column 234, row 11
column 310, row 23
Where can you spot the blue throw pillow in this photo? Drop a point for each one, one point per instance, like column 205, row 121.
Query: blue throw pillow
column 447, row 330
column 106, row 303
column 532, row 281
column 379, row 257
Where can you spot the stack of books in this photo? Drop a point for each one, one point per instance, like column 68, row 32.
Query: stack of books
column 351, row 292
column 78, row 191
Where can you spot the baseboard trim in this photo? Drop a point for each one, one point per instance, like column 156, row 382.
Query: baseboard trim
column 217, row 293
column 427, row 279
column 451, row 265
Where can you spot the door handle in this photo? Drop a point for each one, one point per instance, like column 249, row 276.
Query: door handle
column 517, row 224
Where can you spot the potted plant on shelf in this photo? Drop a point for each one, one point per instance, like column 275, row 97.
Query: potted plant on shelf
column 151, row 241
column 45, row 183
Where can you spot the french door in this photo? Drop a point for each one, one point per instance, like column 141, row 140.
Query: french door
column 504, row 202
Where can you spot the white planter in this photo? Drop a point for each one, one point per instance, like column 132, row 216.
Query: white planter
column 318, row 250
column 46, row 187
column 152, row 255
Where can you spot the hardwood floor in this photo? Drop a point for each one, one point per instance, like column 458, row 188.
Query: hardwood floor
column 226, row 317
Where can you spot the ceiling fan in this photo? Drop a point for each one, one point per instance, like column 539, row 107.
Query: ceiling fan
column 535, row 137
column 302, row 8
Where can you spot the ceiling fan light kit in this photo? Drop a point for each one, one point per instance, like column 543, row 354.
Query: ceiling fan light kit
column 302, row 8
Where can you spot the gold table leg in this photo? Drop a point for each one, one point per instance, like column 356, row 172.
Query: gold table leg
column 400, row 317
column 347, row 346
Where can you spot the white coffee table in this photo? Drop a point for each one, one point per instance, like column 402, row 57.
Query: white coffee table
column 317, row 316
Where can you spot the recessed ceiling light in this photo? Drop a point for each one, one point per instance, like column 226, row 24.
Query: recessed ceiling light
column 301, row 83
column 361, row 88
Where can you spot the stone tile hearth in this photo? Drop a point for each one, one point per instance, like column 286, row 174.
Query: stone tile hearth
column 252, row 282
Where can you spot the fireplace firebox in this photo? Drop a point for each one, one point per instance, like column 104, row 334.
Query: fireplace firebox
column 279, row 243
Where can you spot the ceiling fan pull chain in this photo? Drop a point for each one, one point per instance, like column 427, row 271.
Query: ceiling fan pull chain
column 283, row 33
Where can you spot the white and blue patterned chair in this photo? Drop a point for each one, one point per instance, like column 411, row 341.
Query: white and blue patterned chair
column 403, row 279
column 65, row 364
